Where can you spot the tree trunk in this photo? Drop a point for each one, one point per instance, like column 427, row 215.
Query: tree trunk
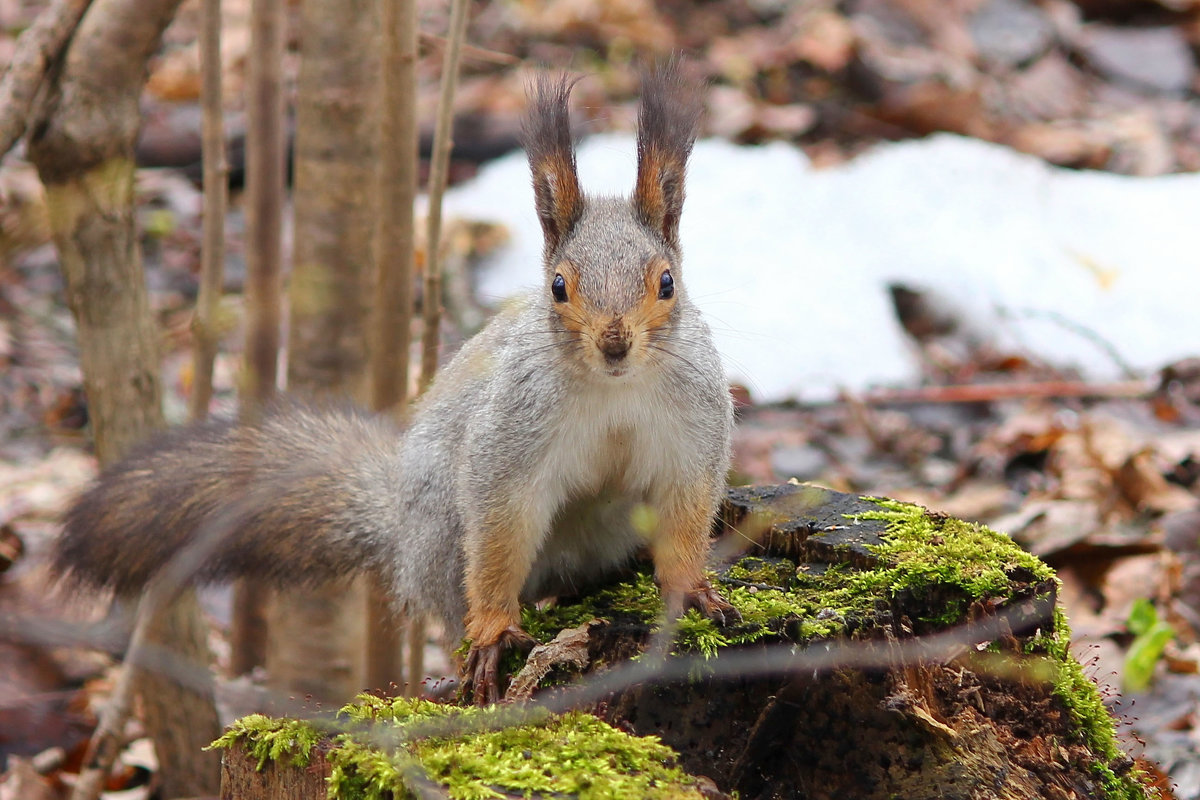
column 317, row 637
column 395, row 252
column 265, row 189
column 83, row 148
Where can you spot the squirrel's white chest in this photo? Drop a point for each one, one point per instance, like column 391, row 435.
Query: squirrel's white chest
column 622, row 440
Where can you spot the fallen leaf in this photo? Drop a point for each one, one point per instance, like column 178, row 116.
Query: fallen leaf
column 1144, row 487
column 569, row 647
column 22, row 782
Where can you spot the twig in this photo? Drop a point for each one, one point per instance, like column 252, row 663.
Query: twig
column 987, row 392
column 38, row 47
column 1080, row 330
column 158, row 597
column 206, row 327
column 472, row 51
column 107, row 740
column 439, row 169
column 818, row 657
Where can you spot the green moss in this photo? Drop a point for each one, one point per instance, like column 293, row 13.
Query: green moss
column 1093, row 721
column 697, row 634
column 636, row 601
column 776, row 573
column 268, row 739
column 922, row 552
column 575, row 755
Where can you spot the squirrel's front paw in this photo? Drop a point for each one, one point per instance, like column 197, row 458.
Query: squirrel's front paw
column 481, row 673
column 709, row 602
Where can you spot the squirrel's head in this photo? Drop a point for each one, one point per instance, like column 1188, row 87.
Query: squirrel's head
column 612, row 265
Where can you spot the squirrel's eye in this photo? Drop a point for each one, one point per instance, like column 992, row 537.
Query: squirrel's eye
column 666, row 286
column 558, row 287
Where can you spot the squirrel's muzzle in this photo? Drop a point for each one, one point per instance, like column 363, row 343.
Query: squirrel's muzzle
column 614, row 343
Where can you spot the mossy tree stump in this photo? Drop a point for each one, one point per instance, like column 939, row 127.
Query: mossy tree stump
column 1012, row 716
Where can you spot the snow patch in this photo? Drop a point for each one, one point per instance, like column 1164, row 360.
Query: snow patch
column 790, row 264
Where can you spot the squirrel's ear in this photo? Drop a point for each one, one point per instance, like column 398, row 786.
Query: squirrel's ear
column 667, row 121
column 547, row 140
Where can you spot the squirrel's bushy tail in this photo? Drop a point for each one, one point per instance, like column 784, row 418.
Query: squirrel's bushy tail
column 293, row 498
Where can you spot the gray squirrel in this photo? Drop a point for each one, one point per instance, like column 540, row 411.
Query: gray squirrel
column 595, row 400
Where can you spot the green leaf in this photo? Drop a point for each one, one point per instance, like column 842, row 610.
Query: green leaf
column 1144, row 654
column 1142, row 617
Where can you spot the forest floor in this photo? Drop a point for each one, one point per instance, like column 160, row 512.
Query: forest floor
column 1102, row 482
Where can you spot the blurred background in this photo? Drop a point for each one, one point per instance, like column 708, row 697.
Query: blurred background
column 947, row 248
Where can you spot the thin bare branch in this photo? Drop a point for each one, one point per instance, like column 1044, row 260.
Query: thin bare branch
column 473, row 52
column 439, row 170
column 39, row 46
column 206, row 327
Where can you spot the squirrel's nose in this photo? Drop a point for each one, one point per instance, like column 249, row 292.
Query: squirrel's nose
column 614, row 344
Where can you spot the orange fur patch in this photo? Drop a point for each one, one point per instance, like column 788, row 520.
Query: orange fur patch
column 577, row 314
column 680, row 546
column 652, row 313
column 557, row 192
column 648, row 191
column 495, row 572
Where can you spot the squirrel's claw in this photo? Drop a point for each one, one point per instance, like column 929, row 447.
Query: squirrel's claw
column 481, row 673
column 709, row 602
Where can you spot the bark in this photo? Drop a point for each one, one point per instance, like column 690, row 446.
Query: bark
column 336, row 168
column 241, row 779
column 265, row 176
column 83, row 145
column 317, row 637
column 37, row 48
column 394, row 269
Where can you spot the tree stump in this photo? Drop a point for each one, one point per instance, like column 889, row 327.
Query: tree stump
column 884, row 651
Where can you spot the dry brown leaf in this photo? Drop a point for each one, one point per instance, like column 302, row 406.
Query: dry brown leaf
column 1128, row 580
column 637, row 21
column 977, row 500
column 1067, row 144
column 1079, row 600
column 11, row 547
column 22, row 782
column 823, row 38
column 570, row 647
column 1050, row 527
column 175, row 77
column 1185, row 661
column 1141, row 482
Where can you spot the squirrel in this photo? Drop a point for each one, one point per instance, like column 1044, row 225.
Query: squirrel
column 597, row 399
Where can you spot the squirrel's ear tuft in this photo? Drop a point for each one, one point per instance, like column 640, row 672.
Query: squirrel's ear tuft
column 547, row 139
column 670, row 113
